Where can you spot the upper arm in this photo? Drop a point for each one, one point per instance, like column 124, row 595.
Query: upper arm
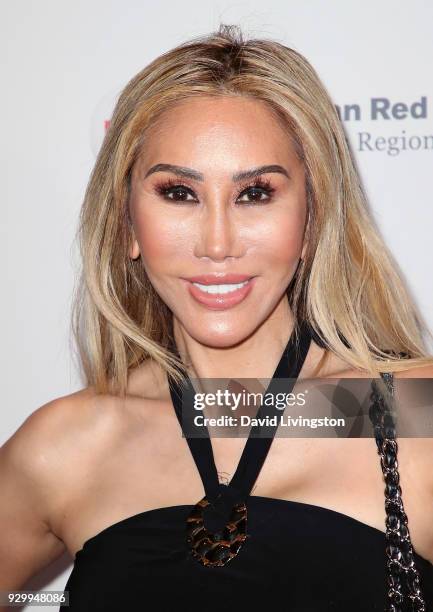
column 27, row 543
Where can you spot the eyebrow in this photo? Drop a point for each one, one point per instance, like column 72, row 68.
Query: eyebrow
column 198, row 176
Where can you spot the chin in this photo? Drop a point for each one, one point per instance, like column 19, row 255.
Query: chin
column 223, row 335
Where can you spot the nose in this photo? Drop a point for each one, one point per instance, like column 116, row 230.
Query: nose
column 218, row 233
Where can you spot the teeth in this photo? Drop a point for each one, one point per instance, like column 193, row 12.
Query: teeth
column 220, row 288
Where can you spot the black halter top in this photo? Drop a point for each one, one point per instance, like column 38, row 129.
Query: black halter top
column 264, row 551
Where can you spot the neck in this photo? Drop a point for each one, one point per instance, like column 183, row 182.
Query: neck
column 256, row 356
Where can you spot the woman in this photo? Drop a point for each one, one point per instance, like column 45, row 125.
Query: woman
column 224, row 232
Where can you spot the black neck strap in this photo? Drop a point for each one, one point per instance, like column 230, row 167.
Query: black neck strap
column 260, row 438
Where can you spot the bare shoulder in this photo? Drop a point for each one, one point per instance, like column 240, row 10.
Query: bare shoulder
column 48, row 428
column 72, row 432
column 413, row 398
column 340, row 369
column 59, row 437
column 425, row 371
column 43, row 429
column 40, row 464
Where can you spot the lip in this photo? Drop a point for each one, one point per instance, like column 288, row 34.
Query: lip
column 223, row 300
column 218, row 278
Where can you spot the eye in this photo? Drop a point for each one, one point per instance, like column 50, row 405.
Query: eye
column 259, row 191
column 180, row 192
column 259, row 188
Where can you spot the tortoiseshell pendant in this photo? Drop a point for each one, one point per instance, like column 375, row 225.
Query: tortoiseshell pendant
column 215, row 549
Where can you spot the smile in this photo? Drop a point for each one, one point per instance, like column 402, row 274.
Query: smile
column 220, row 288
column 220, row 296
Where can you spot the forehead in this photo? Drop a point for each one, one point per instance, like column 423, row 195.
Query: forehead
column 200, row 126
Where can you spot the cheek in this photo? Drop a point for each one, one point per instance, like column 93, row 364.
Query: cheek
column 159, row 240
column 279, row 240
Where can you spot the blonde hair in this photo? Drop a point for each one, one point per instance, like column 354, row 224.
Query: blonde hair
column 347, row 287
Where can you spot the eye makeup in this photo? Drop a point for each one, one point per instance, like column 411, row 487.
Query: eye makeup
column 258, row 186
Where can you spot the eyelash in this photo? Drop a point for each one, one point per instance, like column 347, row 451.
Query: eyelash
column 259, row 182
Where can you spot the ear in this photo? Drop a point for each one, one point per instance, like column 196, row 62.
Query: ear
column 134, row 249
column 304, row 249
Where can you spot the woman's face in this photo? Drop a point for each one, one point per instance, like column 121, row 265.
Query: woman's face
column 193, row 215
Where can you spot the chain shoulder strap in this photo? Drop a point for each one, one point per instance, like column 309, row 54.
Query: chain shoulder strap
column 402, row 571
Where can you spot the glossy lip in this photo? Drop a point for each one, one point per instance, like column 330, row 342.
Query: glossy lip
column 218, row 278
column 223, row 300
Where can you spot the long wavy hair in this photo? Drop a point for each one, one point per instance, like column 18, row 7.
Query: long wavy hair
column 348, row 287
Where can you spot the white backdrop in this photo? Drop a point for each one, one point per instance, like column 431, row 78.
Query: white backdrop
column 63, row 66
